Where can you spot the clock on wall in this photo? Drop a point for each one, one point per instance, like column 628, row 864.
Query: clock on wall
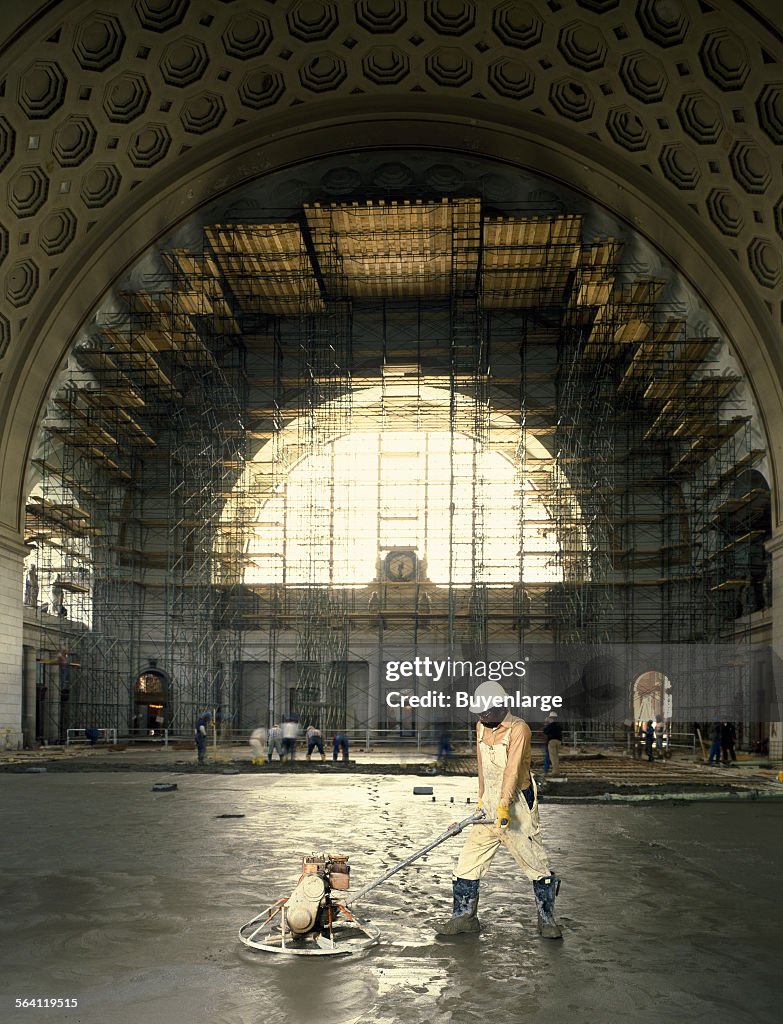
column 400, row 566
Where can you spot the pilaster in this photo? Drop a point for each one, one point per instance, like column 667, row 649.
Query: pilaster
column 12, row 555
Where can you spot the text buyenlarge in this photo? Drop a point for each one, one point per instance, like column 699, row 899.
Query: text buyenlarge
column 463, row 699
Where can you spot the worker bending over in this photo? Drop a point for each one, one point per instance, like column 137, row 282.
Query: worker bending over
column 508, row 795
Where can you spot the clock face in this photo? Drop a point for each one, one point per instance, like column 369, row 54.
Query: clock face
column 401, row 566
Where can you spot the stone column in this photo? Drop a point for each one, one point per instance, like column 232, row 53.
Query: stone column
column 373, row 690
column 29, row 673
column 772, row 698
column 12, row 554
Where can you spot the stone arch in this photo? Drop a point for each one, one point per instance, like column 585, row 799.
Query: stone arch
column 120, row 119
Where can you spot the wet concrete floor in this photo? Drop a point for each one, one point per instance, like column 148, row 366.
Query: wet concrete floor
column 129, row 901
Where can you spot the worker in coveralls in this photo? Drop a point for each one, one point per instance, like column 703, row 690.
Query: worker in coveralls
column 201, row 734
column 508, row 795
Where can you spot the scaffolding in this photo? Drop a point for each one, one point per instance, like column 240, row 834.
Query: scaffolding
column 308, row 446
column 143, row 444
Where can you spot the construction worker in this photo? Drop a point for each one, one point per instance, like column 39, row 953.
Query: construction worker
column 315, row 741
column 659, row 728
column 340, row 742
column 715, row 735
column 290, row 731
column 649, row 739
column 553, row 738
column 508, row 795
column 274, row 742
column 200, row 737
column 258, row 742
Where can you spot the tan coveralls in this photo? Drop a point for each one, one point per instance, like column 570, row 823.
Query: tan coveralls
column 504, row 771
column 553, row 746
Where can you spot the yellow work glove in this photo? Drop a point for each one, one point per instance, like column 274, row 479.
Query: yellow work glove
column 480, row 804
column 503, row 819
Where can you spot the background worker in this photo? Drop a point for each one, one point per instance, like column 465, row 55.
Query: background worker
column 553, row 735
column 638, row 742
column 275, row 742
column 445, row 749
column 258, row 742
column 64, row 667
column 715, row 735
column 649, row 739
column 659, row 728
column 728, row 735
column 201, row 735
column 290, row 734
column 315, row 741
column 507, row 794
column 340, row 743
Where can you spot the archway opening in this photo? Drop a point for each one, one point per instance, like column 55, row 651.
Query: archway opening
column 653, row 708
column 412, row 421
column 150, row 701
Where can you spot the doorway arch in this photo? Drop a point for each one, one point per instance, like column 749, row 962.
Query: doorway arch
column 652, row 697
column 151, row 710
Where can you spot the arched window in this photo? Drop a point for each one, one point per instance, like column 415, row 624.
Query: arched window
column 464, row 505
column 58, row 578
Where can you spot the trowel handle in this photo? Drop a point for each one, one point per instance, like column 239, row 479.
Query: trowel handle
column 452, row 830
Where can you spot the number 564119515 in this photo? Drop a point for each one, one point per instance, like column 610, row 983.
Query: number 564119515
column 49, row 1003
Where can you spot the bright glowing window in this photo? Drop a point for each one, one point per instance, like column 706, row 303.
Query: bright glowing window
column 464, row 509
column 57, row 578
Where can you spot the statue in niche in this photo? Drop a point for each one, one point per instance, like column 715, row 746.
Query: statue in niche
column 57, row 606
column 31, row 588
column 766, row 586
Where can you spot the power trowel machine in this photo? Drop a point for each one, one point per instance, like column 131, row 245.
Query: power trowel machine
column 316, row 920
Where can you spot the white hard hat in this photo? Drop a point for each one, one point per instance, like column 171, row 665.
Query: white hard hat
column 489, row 703
column 552, row 714
column 487, row 690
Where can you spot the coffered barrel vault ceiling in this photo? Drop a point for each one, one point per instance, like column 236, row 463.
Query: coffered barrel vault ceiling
column 102, row 103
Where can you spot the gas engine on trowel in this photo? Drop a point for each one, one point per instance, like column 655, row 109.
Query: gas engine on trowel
column 316, row 918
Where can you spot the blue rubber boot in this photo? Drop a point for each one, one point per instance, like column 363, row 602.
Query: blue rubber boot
column 545, row 890
column 463, row 919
